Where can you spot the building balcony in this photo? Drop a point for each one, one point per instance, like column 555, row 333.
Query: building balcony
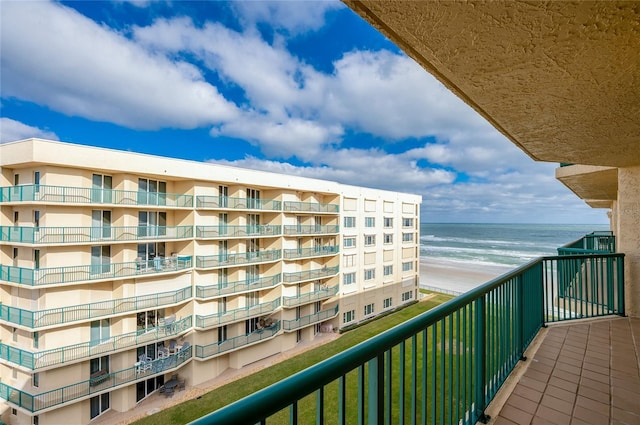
column 316, row 251
column 312, row 229
column 239, row 286
column 83, row 312
column 44, row 194
column 237, row 342
column 310, row 207
column 233, row 203
column 90, row 235
column 227, row 231
column 319, row 295
column 294, row 277
column 240, row 259
column 230, row 316
column 105, row 382
column 448, row 364
column 39, row 360
column 312, row 319
column 82, row 274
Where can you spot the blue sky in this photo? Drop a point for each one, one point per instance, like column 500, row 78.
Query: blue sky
column 303, row 88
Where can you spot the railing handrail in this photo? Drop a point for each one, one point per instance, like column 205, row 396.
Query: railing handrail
column 237, row 286
column 88, row 234
column 236, row 202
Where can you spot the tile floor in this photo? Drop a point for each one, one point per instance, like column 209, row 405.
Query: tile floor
column 582, row 373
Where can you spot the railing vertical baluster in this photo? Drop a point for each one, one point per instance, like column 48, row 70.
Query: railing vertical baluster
column 481, row 358
column 414, row 376
column 425, row 395
column 450, row 372
column 388, row 394
column 320, row 406
column 620, row 288
column 342, row 400
column 434, row 379
column 376, row 390
column 401, row 384
column 361, row 416
column 443, row 361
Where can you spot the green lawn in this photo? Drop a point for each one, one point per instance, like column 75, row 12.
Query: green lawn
column 231, row 392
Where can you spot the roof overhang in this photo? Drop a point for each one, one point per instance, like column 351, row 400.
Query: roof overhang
column 597, row 186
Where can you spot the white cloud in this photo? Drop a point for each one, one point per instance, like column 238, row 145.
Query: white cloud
column 12, row 130
column 54, row 56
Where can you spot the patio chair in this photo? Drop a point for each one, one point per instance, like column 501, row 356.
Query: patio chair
column 173, row 346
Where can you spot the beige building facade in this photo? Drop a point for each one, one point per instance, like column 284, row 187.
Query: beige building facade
column 120, row 270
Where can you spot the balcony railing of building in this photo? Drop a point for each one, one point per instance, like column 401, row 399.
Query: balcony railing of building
column 445, row 365
column 81, row 235
column 231, row 344
column 87, row 273
column 310, row 274
column 296, row 206
column 239, row 259
column 86, row 195
column 56, row 356
column 233, row 203
column 310, row 229
column 311, row 319
column 316, row 251
column 228, row 231
column 227, row 288
column 320, row 294
column 593, row 243
column 237, row 314
column 105, row 382
column 62, row 315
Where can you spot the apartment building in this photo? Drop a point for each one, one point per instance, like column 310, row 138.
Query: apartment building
column 121, row 272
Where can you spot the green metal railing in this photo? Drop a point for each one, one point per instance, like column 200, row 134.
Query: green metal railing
column 239, row 259
column 316, row 251
column 227, row 231
column 295, row 206
column 309, row 274
column 62, row 315
column 230, row 202
column 309, row 297
column 229, row 316
column 210, row 350
column 311, row 319
column 593, row 243
column 86, row 195
column 70, row 353
column 79, row 235
column 443, row 366
column 37, row 402
column 310, row 229
column 227, row 288
column 73, row 274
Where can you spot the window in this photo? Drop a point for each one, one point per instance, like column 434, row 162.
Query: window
column 388, row 270
column 407, row 266
column 387, row 302
column 36, row 259
column 36, row 218
column 222, row 305
column 251, row 325
column 349, row 242
column 252, row 298
column 36, row 178
column 14, row 334
column 151, row 223
column 407, row 222
column 35, row 380
column 253, row 199
column 16, row 218
column 369, row 240
column 369, row 274
column 223, row 196
column 349, row 278
column 101, row 188
column 99, row 404
column 149, row 319
column 388, row 222
column 152, row 192
column 349, row 260
column 36, row 339
column 369, row 222
column 222, row 334
column 100, row 259
column 407, row 295
column 349, row 222
column 99, row 364
column 100, row 331
column 348, row 316
column 407, row 237
column 15, row 253
column 147, row 252
column 14, row 412
column 16, row 179
column 36, row 420
column 388, row 238
column 369, row 309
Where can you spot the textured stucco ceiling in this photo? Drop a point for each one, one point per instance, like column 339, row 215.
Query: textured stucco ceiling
column 560, row 79
column 590, row 182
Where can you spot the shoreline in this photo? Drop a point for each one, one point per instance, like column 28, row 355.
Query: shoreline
column 456, row 277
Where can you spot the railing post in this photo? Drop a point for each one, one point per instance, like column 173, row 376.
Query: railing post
column 620, row 267
column 480, row 359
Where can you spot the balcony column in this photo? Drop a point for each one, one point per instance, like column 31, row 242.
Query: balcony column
column 626, row 219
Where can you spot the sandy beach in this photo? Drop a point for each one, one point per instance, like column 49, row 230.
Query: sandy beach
column 455, row 277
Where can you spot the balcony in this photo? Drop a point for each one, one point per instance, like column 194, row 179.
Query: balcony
column 312, row 229
column 107, row 382
column 237, row 314
column 81, row 274
column 83, row 312
column 319, row 295
column 593, row 243
column 72, row 353
column 312, row 319
column 310, row 207
column 309, row 274
column 446, row 365
column 316, row 251
column 240, row 259
column 226, row 231
column 228, row 288
column 44, row 194
column 85, row 235
column 232, row 344
column 232, row 203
